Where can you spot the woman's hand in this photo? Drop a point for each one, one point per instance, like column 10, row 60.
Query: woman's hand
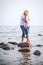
column 24, row 19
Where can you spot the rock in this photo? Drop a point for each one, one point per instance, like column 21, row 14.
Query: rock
column 37, row 52
column 39, row 45
column 40, row 35
column 9, row 38
column 14, row 43
column 23, row 44
column 8, row 47
column 2, row 43
column 24, row 49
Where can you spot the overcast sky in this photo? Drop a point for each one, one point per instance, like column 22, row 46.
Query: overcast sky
column 11, row 11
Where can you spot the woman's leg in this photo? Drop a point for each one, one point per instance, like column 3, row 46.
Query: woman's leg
column 28, row 39
column 27, row 34
column 23, row 33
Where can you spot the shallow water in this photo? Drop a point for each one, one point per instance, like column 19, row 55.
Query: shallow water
column 13, row 57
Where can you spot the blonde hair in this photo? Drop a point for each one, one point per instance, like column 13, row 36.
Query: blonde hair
column 26, row 12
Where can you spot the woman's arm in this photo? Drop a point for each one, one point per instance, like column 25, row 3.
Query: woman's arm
column 24, row 19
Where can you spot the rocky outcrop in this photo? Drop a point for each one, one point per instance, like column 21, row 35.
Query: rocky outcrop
column 37, row 52
column 24, row 49
column 8, row 47
column 14, row 43
column 23, row 44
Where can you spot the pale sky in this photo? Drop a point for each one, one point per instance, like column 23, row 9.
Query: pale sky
column 11, row 11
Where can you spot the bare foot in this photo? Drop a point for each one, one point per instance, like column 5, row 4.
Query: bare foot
column 22, row 43
column 30, row 45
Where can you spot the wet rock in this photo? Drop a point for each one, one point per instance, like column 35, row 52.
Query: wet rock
column 9, row 38
column 8, row 47
column 38, row 45
column 40, row 35
column 24, row 50
column 14, row 43
column 37, row 52
column 23, row 44
column 2, row 43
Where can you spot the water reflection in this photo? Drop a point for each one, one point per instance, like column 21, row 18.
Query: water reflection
column 25, row 58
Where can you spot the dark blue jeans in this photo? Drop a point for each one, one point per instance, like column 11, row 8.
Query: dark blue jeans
column 25, row 31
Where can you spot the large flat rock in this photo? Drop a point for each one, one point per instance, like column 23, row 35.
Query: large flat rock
column 23, row 44
column 25, row 49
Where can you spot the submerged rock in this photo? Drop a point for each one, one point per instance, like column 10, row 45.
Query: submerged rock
column 37, row 52
column 23, row 44
column 40, row 35
column 38, row 45
column 14, row 43
column 24, row 49
column 8, row 47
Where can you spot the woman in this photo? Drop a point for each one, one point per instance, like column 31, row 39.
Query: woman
column 25, row 25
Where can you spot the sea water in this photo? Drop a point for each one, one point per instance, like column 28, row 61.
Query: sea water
column 13, row 57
